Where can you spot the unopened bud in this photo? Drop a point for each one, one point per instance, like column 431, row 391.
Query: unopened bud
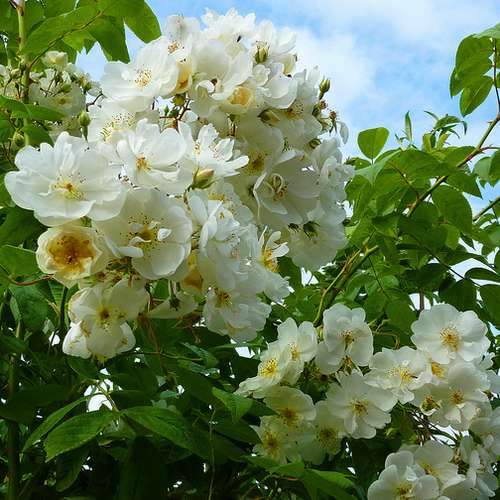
column 18, row 139
column 314, row 143
column 15, row 73
column 261, row 55
column 203, row 178
column 84, row 119
column 87, row 86
column 269, row 116
column 179, row 99
column 65, row 88
column 324, row 87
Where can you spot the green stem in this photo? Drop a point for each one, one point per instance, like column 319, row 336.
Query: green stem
column 13, row 427
column 23, row 64
column 62, row 322
column 340, row 280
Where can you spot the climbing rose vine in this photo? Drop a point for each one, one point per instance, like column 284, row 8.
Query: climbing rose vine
column 195, row 276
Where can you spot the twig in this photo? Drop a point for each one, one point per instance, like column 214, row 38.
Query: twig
column 486, row 208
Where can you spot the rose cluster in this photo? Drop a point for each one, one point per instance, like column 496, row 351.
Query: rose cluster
column 443, row 384
column 198, row 164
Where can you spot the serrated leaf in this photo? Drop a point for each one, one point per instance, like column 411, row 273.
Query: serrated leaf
column 236, row 404
column 76, row 431
column 50, row 422
column 372, row 141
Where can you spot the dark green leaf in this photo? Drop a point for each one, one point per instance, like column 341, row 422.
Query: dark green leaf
column 491, row 299
column 50, row 422
column 76, row 431
column 169, row 425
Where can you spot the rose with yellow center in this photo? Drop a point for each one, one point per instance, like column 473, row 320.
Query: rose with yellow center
column 71, row 252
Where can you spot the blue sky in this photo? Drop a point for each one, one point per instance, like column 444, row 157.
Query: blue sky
column 384, row 57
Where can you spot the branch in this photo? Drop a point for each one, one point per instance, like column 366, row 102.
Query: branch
column 477, row 150
column 486, row 208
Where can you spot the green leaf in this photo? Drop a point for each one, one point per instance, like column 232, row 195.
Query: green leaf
column 494, row 171
column 76, row 431
column 141, row 476
column 57, row 7
column 70, row 466
column 454, row 207
column 236, row 404
column 473, row 95
column 111, row 36
column 329, row 482
column 8, row 343
column 493, row 32
column 336, row 478
column 36, row 134
column 461, row 294
column 50, row 422
column 32, row 306
column 481, row 273
column 18, row 261
column 372, row 141
column 18, row 226
column 169, row 425
column 143, row 22
column 491, row 298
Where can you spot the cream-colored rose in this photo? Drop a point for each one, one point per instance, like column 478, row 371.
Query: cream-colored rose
column 71, row 252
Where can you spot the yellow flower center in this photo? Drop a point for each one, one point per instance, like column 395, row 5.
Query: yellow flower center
column 359, row 407
column 270, row 442
column 290, row 416
column 294, row 351
column 68, row 189
column 327, row 436
column 143, row 77
column 457, row 397
column 223, row 298
column 269, row 368
column 269, row 261
column 348, row 336
column 70, row 253
column 141, row 163
column 437, row 369
column 241, row 95
column 450, row 338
